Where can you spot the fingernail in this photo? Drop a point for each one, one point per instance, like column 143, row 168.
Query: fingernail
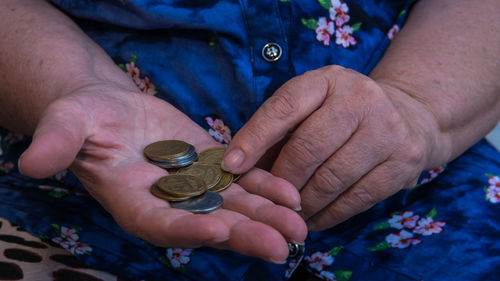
column 276, row 261
column 233, row 160
column 19, row 163
column 298, row 209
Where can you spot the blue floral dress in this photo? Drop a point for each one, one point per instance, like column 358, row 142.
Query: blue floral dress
column 218, row 61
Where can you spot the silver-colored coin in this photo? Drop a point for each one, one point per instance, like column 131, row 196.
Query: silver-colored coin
column 177, row 162
column 205, row 203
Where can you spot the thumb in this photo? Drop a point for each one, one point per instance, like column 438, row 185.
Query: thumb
column 57, row 140
column 282, row 112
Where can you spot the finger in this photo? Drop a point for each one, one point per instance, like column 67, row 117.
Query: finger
column 382, row 182
column 252, row 238
column 288, row 106
column 257, row 208
column 170, row 227
column 58, row 137
column 366, row 149
column 125, row 193
column 313, row 143
column 278, row 190
column 128, row 199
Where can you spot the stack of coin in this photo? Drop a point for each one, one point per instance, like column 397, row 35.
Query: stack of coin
column 178, row 187
column 212, row 158
column 194, row 187
column 170, row 154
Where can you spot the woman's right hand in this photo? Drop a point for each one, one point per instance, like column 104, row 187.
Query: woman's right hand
column 100, row 130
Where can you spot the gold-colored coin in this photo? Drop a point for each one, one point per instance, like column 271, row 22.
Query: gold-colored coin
column 236, row 178
column 160, row 194
column 225, row 181
column 212, row 155
column 167, row 149
column 210, row 173
column 181, row 185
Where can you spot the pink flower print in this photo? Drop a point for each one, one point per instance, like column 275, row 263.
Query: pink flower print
column 318, row 260
column 407, row 219
column 218, row 130
column 324, row 31
column 401, row 240
column 178, row 257
column 338, row 12
column 344, row 37
column 68, row 239
column 80, row 249
column 69, row 245
column 57, row 240
column 493, row 190
column 133, row 71
column 69, row 233
column 435, row 172
column 393, row 31
column 494, row 181
column 326, row 275
column 149, row 88
column 432, row 174
column 493, row 194
column 65, row 243
column 427, row 227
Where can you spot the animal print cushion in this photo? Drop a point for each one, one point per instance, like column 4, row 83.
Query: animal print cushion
column 26, row 257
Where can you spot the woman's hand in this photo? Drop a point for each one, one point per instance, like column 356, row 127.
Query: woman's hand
column 101, row 130
column 354, row 142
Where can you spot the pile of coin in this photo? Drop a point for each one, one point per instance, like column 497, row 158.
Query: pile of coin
column 195, row 185
column 171, row 154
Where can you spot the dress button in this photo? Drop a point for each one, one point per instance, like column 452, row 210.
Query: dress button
column 271, row 52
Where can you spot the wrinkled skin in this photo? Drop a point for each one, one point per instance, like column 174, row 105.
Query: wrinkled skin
column 101, row 131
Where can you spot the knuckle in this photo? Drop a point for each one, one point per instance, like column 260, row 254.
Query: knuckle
column 326, row 182
column 282, row 105
column 370, row 90
column 334, row 69
column 256, row 131
column 364, row 198
column 414, row 150
column 305, row 150
column 395, row 127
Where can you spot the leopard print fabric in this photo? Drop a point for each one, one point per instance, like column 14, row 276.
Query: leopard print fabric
column 26, row 257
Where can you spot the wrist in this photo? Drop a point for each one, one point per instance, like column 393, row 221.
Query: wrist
column 428, row 137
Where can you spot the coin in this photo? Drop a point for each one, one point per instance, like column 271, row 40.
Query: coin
column 236, row 178
column 177, row 162
column 181, row 185
column 160, row 194
column 225, row 181
column 212, row 155
column 210, row 173
column 167, row 149
column 205, row 203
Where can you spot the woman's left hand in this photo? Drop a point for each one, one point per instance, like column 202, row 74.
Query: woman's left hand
column 354, row 142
